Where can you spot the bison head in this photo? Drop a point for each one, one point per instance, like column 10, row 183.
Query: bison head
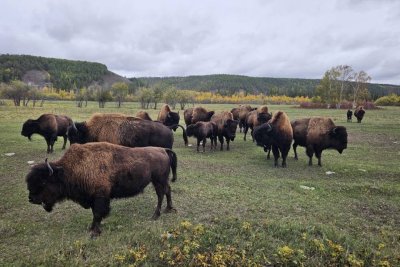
column 29, row 128
column 263, row 135
column 44, row 185
column 338, row 138
column 263, row 117
column 209, row 115
column 77, row 133
column 172, row 118
column 230, row 127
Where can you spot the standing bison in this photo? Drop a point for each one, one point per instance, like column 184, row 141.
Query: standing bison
column 93, row 174
column 121, row 130
column 318, row 134
column 49, row 126
column 349, row 115
column 359, row 113
column 171, row 120
column 226, row 127
column 278, row 134
column 193, row 115
column 255, row 118
column 203, row 130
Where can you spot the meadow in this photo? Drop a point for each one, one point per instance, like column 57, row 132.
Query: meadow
column 233, row 207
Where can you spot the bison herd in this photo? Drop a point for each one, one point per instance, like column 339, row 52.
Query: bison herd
column 117, row 156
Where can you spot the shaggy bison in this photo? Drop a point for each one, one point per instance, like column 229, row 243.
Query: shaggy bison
column 168, row 117
column 318, row 134
column 226, row 127
column 93, row 174
column 278, row 134
column 49, row 126
column 359, row 113
column 121, row 130
column 193, row 115
column 203, row 130
column 255, row 118
column 349, row 115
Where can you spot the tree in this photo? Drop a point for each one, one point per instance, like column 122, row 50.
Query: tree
column 171, row 96
column 158, row 93
column 360, row 86
column 184, row 97
column 34, row 95
column 145, row 96
column 328, row 88
column 120, row 90
column 17, row 91
column 102, row 95
column 345, row 75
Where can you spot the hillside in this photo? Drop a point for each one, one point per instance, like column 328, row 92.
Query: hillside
column 61, row 73
column 229, row 84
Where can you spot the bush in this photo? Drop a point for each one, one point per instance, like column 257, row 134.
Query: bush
column 313, row 105
column 390, row 100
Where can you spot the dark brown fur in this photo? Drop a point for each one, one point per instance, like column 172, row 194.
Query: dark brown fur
column 201, row 114
column 93, row 174
column 318, row 134
column 203, row 130
column 255, row 118
column 226, row 127
column 359, row 113
column 143, row 115
column 278, row 134
column 49, row 126
column 187, row 116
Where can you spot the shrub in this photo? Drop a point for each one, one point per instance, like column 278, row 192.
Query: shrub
column 389, row 100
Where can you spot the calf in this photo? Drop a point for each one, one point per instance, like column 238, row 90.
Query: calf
column 203, row 130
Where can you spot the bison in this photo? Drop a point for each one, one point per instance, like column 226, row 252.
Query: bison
column 49, row 126
column 121, row 129
column 203, row 130
column 255, row 118
column 93, row 174
column 143, row 115
column 167, row 117
column 226, row 127
column 359, row 113
column 317, row 134
column 243, row 111
column 197, row 114
column 276, row 133
column 349, row 115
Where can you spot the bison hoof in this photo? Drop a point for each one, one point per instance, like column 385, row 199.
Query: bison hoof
column 95, row 233
column 155, row 216
column 170, row 210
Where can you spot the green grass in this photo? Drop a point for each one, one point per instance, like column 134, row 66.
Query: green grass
column 250, row 212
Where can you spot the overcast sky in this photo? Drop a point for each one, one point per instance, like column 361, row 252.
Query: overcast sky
column 292, row 39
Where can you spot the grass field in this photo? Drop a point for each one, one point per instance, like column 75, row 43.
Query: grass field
column 233, row 207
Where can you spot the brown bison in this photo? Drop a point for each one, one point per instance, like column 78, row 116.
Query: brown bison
column 255, row 118
column 316, row 135
column 121, row 129
column 349, row 115
column 226, row 127
column 203, row 130
column 49, row 126
column 197, row 114
column 276, row 133
column 359, row 113
column 93, row 174
column 143, row 115
column 243, row 111
column 167, row 116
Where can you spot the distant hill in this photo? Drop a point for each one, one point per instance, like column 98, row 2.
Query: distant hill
column 229, row 84
column 60, row 73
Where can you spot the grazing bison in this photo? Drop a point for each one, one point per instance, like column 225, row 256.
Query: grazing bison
column 349, row 115
column 359, row 113
column 121, row 129
column 93, row 174
column 276, row 133
column 255, row 118
column 143, row 115
column 226, row 127
column 49, row 126
column 318, row 134
column 203, row 130
column 197, row 114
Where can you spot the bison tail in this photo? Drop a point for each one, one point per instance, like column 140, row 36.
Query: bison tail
column 173, row 162
column 185, row 138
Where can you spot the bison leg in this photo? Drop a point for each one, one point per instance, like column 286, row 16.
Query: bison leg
column 100, row 210
column 204, row 144
column 275, row 152
column 169, row 207
column 48, row 145
column 160, row 190
column 245, row 130
column 198, row 144
column 227, row 143
column 295, row 150
column 65, row 141
column 221, row 140
column 309, row 152
column 285, row 152
column 318, row 154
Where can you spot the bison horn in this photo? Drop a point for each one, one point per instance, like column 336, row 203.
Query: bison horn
column 334, row 130
column 269, row 127
column 74, row 126
column 49, row 167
